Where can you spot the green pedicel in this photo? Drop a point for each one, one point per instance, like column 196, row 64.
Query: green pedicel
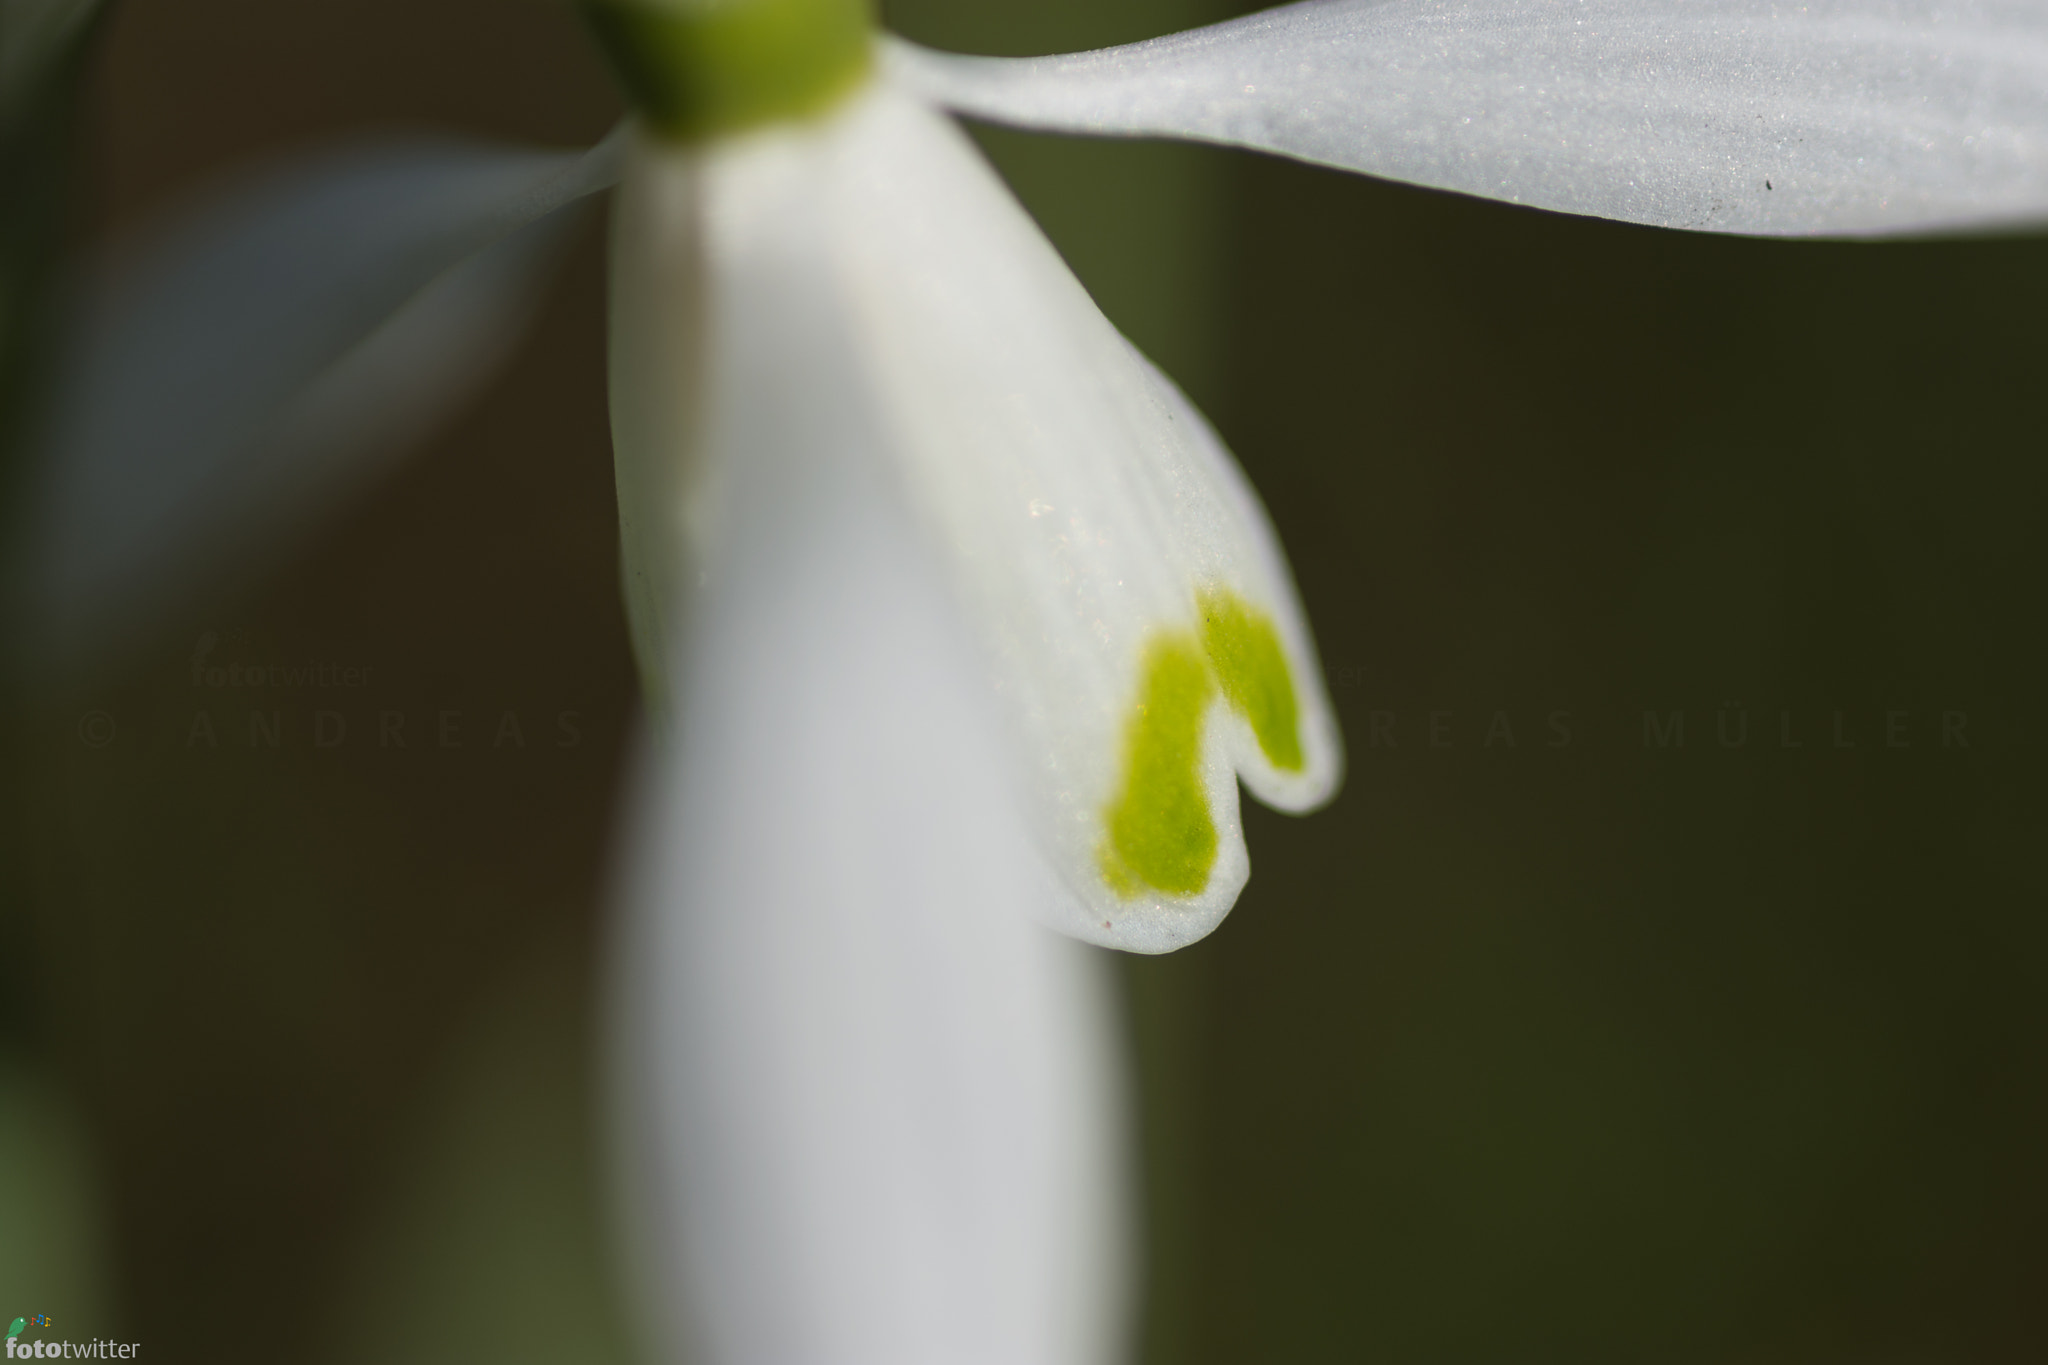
column 698, row 70
column 1159, row 832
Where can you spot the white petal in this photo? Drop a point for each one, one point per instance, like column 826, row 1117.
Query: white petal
column 873, row 1096
column 1092, row 517
column 1754, row 116
column 1098, row 535
column 272, row 347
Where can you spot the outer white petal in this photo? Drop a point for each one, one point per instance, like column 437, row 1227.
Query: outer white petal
column 1084, row 512
column 874, row 1096
column 271, row 347
column 1834, row 116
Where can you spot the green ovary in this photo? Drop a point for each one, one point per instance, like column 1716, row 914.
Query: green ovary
column 1244, row 649
column 1159, row 833
column 698, row 68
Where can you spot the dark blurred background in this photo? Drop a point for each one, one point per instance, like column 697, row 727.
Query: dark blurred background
column 1594, row 1022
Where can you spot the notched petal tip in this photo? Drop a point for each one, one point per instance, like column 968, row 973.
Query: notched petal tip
column 1143, row 643
column 1216, row 704
column 1225, row 684
column 1133, row 603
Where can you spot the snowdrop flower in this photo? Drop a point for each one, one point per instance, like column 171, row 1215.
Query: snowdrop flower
column 957, row 620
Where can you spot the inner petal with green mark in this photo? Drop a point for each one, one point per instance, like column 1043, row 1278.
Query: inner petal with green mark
column 1158, row 829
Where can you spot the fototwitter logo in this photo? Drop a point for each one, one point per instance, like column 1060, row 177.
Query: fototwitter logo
column 63, row 1350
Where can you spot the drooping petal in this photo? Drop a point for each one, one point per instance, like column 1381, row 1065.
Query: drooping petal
column 873, row 1096
column 1143, row 625
column 1751, row 116
column 1134, row 610
column 280, row 342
